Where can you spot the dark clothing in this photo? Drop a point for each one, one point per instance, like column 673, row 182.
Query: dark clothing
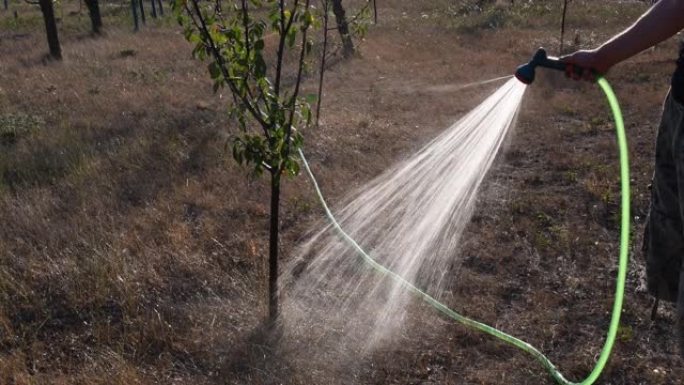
column 678, row 78
column 664, row 236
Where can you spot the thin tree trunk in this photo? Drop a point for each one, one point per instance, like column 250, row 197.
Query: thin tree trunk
column 375, row 12
column 343, row 28
column 51, row 28
column 323, row 59
column 161, row 8
column 95, row 18
column 562, row 36
column 154, row 9
column 134, row 7
column 142, row 11
column 6, row 3
column 273, row 250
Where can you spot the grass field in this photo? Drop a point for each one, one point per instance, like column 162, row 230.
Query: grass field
column 133, row 248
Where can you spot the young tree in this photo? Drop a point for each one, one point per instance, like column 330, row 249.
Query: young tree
column 268, row 113
column 51, row 28
column 95, row 18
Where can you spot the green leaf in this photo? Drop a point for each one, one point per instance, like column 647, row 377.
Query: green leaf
column 214, row 70
column 308, row 20
column 311, row 98
column 294, row 168
column 291, row 37
column 259, row 66
column 307, row 115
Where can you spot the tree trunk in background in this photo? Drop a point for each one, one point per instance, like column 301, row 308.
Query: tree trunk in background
column 51, row 29
column 154, row 9
column 343, row 28
column 5, row 2
column 134, row 7
column 562, row 36
column 273, row 250
column 95, row 18
column 142, row 10
column 161, row 8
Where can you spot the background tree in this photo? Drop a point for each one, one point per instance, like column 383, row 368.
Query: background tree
column 343, row 28
column 95, row 18
column 562, row 32
column 141, row 3
column 267, row 111
column 51, row 28
column 134, row 12
column 358, row 23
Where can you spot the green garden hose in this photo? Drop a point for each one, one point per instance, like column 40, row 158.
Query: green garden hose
column 622, row 272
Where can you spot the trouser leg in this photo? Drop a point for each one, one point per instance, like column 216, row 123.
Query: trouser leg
column 664, row 236
column 678, row 152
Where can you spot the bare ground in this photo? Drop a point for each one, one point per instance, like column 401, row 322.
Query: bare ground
column 132, row 247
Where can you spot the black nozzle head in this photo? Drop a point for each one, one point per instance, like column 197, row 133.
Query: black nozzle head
column 525, row 73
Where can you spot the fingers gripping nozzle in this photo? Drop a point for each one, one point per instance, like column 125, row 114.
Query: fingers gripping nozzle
column 525, row 73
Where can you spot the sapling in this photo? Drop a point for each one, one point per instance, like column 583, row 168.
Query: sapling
column 269, row 113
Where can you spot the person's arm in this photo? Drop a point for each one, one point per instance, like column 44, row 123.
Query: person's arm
column 662, row 21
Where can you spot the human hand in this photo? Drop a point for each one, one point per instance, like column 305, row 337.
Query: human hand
column 586, row 65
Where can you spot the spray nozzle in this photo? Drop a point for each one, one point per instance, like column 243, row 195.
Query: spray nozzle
column 525, row 73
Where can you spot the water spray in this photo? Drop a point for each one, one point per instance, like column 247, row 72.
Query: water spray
column 526, row 74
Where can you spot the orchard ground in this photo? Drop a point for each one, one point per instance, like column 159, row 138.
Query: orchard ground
column 133, row 248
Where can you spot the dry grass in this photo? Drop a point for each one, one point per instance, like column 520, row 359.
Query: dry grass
column 132, row 248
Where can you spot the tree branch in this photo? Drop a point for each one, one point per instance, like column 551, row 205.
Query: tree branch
column 293, row 101
column 202, row 26
column 284, row 29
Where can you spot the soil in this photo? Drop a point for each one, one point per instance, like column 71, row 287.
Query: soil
column 141, row 261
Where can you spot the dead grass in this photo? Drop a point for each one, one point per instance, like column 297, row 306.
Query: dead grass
column 132, row 247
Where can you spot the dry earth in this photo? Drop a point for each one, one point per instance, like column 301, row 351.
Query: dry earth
column 132, row 247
